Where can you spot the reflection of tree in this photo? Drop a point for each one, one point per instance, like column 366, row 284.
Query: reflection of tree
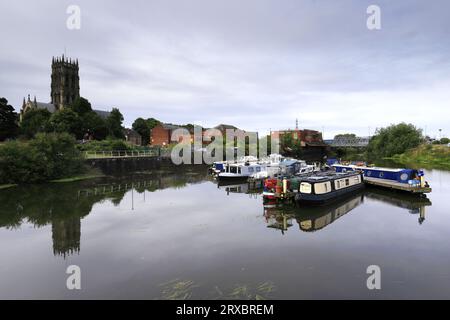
column 63, row 205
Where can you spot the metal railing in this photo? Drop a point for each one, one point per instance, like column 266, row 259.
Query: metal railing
column 124, row 154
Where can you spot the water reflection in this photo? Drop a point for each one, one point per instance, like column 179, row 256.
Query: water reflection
column 312, row 218
column 64, row 206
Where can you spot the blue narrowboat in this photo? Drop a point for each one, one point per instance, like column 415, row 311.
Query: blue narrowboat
column 398, row 175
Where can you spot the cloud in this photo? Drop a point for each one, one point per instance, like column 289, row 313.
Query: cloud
column 256, row 64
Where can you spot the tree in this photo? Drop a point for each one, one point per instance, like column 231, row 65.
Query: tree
column 114, row 124
column 290, row 146
column 81, row 106
column 34, row 121
column 8, row 120
column 141, row 126
column 445, row 141
column 152, row 122
column 95, row 125
column 47, row 156
column 66, row 120
column 345, row 136
column 392, row 140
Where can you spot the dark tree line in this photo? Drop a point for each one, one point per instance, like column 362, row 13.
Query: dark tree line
column 79, row 120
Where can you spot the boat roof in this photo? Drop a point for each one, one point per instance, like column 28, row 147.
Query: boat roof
column 324, row 176
column 371, row 168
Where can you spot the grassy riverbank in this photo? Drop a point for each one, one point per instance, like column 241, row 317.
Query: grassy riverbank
column 428, row 156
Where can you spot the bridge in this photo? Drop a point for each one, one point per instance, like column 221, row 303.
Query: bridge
column 357, row 142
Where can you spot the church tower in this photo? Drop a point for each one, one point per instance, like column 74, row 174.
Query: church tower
column 65, row 87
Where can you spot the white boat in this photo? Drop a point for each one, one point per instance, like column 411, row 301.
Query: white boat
column 219, row 166
column 241, row 170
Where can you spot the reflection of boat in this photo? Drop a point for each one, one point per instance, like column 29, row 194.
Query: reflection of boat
column 234, row 187
column 414, row 204
column 309, row 218
column 315, row 218
column 277, row 217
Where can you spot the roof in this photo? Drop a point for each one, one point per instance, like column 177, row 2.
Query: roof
column 102, row 113
column 316, row 144
column 325, row 176
column 131, row 132
column 169, row 126
column 49, row 106
column 223, row 127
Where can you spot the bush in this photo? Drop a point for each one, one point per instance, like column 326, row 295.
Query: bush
column 48, row 156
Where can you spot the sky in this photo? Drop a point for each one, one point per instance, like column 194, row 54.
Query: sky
column 256, row 64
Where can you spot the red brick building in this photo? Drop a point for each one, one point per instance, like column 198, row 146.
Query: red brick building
column 161, row 134
column 306, row 136
column 311, row 142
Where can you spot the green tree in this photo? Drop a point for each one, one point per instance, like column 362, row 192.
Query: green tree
column 141, row 126
column 8, row 120
column 392, row 140
column 114, row 124
column 290, row 146
column 345, row 136
column 66, row 120
column 34, row 121
column 152, row 122
column 59, row 152
column 95, row 125
column 81, row 106
column 47, row 156
column 445, row 140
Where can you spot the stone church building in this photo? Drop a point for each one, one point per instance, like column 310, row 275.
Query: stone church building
column 65, row 88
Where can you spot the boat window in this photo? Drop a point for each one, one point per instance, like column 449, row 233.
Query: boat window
column 381, row 174
column 233, row 170
column 258, row 169
column 347, row 182
column 338, row 184
column 250, row 170
column 305, row 187
column 324, row 187
column 239, row 170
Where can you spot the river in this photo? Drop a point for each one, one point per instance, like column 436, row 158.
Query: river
column 175, row 234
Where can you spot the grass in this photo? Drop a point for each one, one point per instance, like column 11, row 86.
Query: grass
column 428, row 156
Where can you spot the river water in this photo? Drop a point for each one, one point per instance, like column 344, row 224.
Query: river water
column 176, row 234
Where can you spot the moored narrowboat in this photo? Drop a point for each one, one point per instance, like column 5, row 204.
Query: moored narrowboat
column 409, row 180
column 328, row 186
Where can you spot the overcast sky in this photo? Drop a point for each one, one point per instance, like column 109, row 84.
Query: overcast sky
column 257, row 64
